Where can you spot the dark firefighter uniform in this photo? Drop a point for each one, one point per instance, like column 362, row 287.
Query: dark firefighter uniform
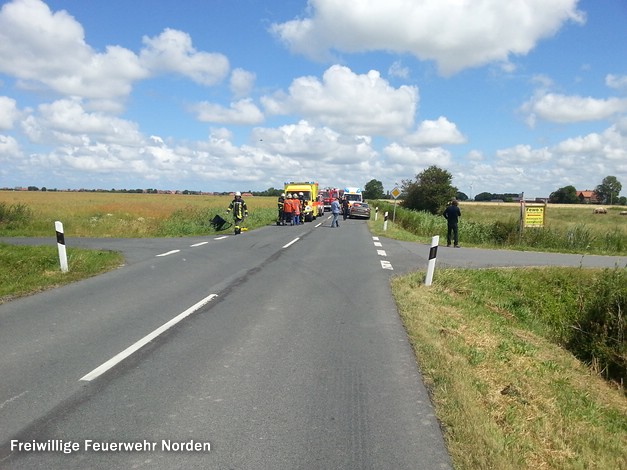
column 281, row 206
column 238, row 206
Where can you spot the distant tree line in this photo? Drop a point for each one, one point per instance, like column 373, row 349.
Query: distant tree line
column 505, row 197
column 605, row 193
column 431, row 190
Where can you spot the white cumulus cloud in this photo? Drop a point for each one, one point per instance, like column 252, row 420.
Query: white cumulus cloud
column 172, row 51
column 42, row 48
column 348, row 102
column 455, row 34
column 564, row 109
column 434, row 133
column 8, row 112
column 240, row 112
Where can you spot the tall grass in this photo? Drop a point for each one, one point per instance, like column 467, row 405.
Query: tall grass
column 490, row 345
column 572, row 234
column 121, row 215
column 14, row 215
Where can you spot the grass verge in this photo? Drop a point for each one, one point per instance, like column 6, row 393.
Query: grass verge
column 507, row 395
column 25, row 270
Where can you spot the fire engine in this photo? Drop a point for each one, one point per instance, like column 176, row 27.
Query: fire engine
column 314, row 207
column 327, row 196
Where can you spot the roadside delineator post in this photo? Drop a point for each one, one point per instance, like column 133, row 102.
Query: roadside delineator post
column 61, row 246
column 432, row 256
column 376, row 213
column 385, row 221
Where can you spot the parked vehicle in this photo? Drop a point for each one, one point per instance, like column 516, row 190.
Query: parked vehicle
column 314, row 207
column 327, row 195
column 359, row 209
column 353, row 195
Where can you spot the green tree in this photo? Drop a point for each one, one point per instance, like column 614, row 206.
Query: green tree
column 431, row 191
column 484, row 196
column 373, row 190
column 565, row 195
column 608, row 190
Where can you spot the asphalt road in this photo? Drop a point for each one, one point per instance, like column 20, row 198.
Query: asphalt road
column 283, row 350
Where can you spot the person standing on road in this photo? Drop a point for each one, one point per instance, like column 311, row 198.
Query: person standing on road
column 296, row 208
column 281, row 207
column 288, row 211
column 452, row 214
column 345, row 207
column 335, row 210
column 240, row 211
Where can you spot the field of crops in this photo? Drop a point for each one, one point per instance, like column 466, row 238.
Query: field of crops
column 90, row 214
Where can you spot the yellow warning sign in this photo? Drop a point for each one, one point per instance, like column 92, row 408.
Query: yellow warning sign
column 534, row 215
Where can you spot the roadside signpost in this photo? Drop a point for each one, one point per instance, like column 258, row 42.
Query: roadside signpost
column 532, row 215
column 395, row 194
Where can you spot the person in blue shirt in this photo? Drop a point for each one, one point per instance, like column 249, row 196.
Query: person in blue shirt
column 335, row 210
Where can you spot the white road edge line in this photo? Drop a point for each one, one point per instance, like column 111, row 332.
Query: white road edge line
column 291, row 243
column 198, row 244
column 169, row 253
column 145, row 340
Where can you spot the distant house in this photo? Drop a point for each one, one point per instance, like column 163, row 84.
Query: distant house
column 587, row 197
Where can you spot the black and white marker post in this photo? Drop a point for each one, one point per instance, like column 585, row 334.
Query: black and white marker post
column 385, row 221
column 61, row 246
column 432, row 255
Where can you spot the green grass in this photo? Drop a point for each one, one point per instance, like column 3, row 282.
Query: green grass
column 508, row 393
column 26, row 269
column 498, row 348
column 33, row 214
column 568, row 229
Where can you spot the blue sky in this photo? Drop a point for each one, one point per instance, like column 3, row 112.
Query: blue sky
column 223, row 95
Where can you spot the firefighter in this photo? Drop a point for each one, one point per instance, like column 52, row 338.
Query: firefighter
column 296, row 209
column 301, row 200
column 288, row 209
column 240, row 211
column 281, row 207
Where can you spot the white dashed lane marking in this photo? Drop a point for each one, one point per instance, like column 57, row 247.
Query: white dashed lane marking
column 384, row 263
column 169, row 253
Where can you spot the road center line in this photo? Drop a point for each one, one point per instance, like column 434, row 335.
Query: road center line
column 198, row 244
column 221, row 238
column 292, row 242
column 145, row 340
column 169, row 253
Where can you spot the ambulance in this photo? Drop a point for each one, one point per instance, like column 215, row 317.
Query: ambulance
column 353, row 195
column 314, row 207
